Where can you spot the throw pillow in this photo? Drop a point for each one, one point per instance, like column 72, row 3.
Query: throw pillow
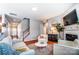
column 21, row 49
column 20, row 46
column 5, row 49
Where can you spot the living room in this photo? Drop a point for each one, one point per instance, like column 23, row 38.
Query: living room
column 39, row 29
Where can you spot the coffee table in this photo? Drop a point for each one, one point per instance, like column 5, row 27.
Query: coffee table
column 40, row 45
column 45, row 50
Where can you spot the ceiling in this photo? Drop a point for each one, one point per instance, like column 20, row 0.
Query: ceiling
column 44, row 10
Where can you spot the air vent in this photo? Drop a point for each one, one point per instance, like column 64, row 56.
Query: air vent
column 25, row 18
column 13, row 14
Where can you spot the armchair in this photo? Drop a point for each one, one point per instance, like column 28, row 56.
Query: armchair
column 42, row 40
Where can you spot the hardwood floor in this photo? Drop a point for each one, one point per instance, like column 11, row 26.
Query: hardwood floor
column 50, row 42
column 34, row 41
column 30, row 42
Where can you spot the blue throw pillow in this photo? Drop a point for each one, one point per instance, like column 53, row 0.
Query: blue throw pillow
column 5, row 49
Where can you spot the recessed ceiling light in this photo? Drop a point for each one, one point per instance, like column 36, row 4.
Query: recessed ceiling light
column 34, row 9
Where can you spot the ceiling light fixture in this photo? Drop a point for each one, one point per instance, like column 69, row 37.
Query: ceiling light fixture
column 34, row 9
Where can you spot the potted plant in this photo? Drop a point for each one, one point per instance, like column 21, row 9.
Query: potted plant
column 60, row 28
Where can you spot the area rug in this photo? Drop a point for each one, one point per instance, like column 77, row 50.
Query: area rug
column 48, row 50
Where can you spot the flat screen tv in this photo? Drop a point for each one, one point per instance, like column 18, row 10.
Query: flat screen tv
column 70, row 18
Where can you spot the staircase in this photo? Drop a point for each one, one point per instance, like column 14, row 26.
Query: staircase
column 26, row 27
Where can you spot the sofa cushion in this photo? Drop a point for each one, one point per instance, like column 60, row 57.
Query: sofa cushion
column 29, row 52
column 6, row 49
column 16, row 41
column 21, row 49
column 7, row 40
column 20, row 46
column 59, row 49
column 74, row 43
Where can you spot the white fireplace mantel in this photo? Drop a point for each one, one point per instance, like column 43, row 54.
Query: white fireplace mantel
column 72, row 29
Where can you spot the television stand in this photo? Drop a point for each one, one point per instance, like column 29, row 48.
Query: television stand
column 53, row 37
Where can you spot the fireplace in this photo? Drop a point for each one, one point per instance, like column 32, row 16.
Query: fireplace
column 71, row 37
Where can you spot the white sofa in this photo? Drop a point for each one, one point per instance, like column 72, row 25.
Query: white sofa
column 66, row 48
column 17, row 44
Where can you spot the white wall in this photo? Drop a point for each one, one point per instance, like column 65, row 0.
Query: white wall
column 41, row 28
column 20, row 33
column 34, row 30
column 4, row 21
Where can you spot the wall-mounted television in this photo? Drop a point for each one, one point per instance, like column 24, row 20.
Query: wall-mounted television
column 70, row 18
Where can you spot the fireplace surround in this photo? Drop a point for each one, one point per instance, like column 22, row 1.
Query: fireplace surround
column 71, row 32
column 71, row 37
